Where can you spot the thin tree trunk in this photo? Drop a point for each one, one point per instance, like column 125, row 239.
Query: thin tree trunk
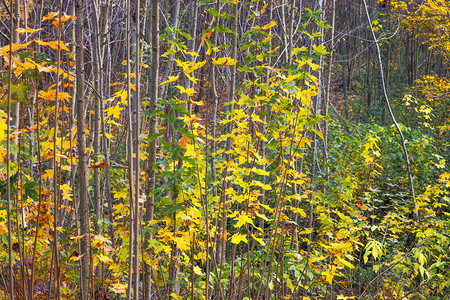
column 330, row 64
column 55, row 165
column 150, row 201
column 8, row 165
column 82, row 163
column 136, row 133
column 97, row 103
column 130, row 150
column 15, row 40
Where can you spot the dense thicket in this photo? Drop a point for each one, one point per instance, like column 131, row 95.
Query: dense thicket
column 224, row 149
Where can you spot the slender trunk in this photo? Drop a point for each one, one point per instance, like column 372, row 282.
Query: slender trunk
column 82, row 163
column 8, row 165
column 136, row 133
column 330, row 64
column 214, row 98
column 130, row 150
column 97, row 103
column 150, row 201
column 55, row 165
column 15, row 40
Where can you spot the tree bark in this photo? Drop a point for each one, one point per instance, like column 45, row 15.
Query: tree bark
column 150, row 185
column 83, row 212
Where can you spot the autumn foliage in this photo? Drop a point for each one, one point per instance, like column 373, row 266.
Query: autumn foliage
column 248, row 182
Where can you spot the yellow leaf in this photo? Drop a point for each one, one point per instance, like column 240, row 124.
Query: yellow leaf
column 299, row 211
column 347, row 264
column 270, row 25
column 51, row 95
column 193, row 79
column 170, row 79
column 28, row 30
column 273, row 50
column 5, row 50
column 259, row 240
column 48, row 174
column 188, row 91
column 243, row 219
column 191, row 66
column 192, row 53
column 114, row 111
column 53, row 44
column 198, row 271
column 237, row 238
column 175, row 296
column 75, row 238
column 66, row 191
column 199, row 103
column 292, row 77
column 105, row 259
column 329, row 274
column 144, row 65
column 75, row 258
column 224, row 61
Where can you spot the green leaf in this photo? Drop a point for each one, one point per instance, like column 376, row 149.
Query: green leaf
column 155, row 136
column 185, row 35
column 319, row 50
column 186, row 132
column 181, row 109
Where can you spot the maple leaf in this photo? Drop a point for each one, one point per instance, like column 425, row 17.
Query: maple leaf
column 243, row 219
column 114, row 111
column 188, row 91
column 237, row 238
column 49, row 16
column 183, row 141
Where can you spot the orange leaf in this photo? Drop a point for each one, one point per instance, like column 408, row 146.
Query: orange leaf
column 182, row 142
column 49, row 16
column 206, row 35
column 100, row 165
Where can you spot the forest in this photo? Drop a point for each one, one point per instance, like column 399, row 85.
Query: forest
column 224, row 149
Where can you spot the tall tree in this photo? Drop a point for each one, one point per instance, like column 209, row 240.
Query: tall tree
column 151, row 175
column 83, row 211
